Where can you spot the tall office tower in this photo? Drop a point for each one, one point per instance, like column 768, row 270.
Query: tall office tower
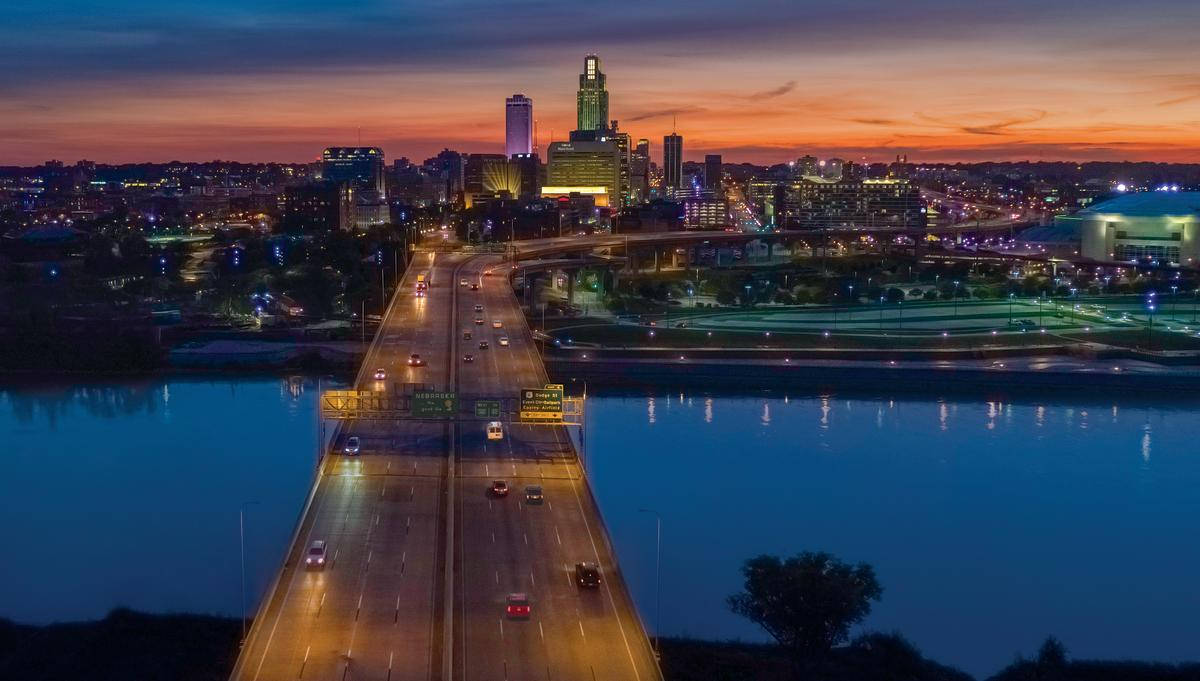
column 585, row 167
column 712, row 171
column 592, row 101
column 362, row 166
column 518, row 125
column 639, row 171
column 672, row 162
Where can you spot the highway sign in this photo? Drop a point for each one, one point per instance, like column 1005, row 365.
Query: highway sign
column 542, row 404
column 434, row 404
column 487, row 409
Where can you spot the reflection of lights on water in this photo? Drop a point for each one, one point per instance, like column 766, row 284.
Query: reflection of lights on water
column 1146, row 442
column 1039, row 416
column 708, row 410
column 650, row 410
column 766, row 414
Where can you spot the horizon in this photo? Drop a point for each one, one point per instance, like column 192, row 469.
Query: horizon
column 280, row 82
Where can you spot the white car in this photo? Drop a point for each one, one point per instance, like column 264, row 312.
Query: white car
column 496, row 324
column 315, row 558
column 380, row 375
column 495, row 430
column 462, row 282
column 503, row 341
column 352, row 446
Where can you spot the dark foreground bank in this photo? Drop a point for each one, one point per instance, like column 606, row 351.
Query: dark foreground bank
column 130, row 645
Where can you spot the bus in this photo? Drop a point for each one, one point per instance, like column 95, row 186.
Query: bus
column 422, row 285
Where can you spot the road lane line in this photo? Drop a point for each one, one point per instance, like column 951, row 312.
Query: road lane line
column 557, row 535
column 304, row 661
column 322, row 603
column 541, row 631
column 581, row 630
column 526, row 535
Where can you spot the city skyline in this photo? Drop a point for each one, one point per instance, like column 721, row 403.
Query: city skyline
column 1028, row 81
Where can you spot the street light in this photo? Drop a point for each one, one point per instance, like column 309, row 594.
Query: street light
column 1010, row 301
column 242, row 542
column 657, row 581
column 956, row 299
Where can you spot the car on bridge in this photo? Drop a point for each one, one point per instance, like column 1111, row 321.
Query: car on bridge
column 315, row 558
column 517, row 606
column 496, row 324
column 483, row 345
column 380, row 375
column 503, row 341
column 462, row 282
column 499, row 488
column 414, row 360
column 479, row 321
column 352, row 446
column 478, row 307
column 495, row 430
column 587, row 575
column 474, row 286
column 466, row 335
column 468, row 358
column 533, row 494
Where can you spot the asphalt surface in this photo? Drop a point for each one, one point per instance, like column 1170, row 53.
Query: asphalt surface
column 420, row 556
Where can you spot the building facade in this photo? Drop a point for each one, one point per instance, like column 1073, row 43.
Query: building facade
column 1158, row 226
column 672, row 162
column 591, row 108
column 585, row 164
column 518, row 125
column 812, row 203
column 360, row 166
column 712, row 171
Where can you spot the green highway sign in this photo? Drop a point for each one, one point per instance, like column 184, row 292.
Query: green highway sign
column 487, row 409
column 434, row 404
column 542, row 404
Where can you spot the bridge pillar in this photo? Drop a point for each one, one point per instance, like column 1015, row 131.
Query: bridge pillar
column 571, row 286
column 770, row 249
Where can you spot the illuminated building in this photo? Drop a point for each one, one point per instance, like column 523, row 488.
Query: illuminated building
column 639, row 171
column 672, row 161
column 1159, row 226
column 585, row 164
column 591, row 107
column 518, row 125
column 813, row 203
column 361, row 166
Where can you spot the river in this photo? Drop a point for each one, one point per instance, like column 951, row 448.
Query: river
column 990, row 524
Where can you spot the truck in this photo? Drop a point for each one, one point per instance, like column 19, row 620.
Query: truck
column 422, row 284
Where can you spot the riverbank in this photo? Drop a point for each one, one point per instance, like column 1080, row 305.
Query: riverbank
column 133, row 645
column 721, row 371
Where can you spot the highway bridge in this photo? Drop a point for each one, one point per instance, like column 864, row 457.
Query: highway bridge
column 420, row 557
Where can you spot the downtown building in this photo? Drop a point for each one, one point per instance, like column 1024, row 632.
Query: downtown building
column 518, row 126
column 595, row 161
column 357, row 172
column 816, row 203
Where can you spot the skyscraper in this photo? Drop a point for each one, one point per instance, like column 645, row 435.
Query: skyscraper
column 362, row 166
column 592, row 101
column 639, row 171
column 518, row 125
column 672, row 162
column 712, row 171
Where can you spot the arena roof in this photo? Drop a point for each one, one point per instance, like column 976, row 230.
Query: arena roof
column 1149, row 204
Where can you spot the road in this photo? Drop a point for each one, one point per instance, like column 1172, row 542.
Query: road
column 421, row 557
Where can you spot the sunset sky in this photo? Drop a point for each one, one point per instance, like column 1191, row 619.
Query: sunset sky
column 757, row 80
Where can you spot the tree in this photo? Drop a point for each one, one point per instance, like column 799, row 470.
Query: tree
column 807, row 603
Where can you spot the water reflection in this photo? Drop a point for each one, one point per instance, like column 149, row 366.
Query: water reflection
column 981, row 517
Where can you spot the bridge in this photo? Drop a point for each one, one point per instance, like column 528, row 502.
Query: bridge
column 420, row 557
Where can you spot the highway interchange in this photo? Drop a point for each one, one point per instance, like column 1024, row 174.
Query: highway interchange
column 420, row 555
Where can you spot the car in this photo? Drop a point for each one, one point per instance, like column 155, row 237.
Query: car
column 468, row 358
column 499, row 488
column 503, row 341
column 478, row 308
column 587, row 575
column 533, row 494
column 352, row 445
column 479, row 321
column 483, row 345
column 474, row 287
column 462, row 282
column 516, row 606
column 380, row 375
column 466, row 335
column 414, row 360
column 496, row 324
column 487, row 273
column 315, row 558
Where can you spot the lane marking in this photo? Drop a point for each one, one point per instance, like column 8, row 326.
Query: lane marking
column 532, row 579
column 541, row 632
column 304, row 661
column 557, row 535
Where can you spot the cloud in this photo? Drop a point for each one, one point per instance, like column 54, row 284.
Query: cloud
column 663, row 113
column 875, row 121
column 774, row 92
column 993, row 127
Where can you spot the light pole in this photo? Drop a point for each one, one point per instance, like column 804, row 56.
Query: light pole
column 881, row 314
column 956, row 299
column 242, row 542
column 850, row 302
column 1010, row 299
column 657, row 581
column 1174, row 289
